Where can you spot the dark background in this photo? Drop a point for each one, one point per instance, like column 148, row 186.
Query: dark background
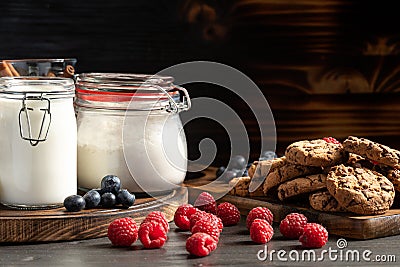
column 327, row 68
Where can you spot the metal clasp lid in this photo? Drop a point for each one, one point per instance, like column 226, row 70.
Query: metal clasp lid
column 25, row 123
column 174, row 107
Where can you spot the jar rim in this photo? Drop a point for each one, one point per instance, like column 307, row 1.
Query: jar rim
column 121, row 82
column 123, row 87
column 23, row 85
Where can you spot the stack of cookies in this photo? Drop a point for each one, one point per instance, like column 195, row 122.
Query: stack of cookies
column 358, row 176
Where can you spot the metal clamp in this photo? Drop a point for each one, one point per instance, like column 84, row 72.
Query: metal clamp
column 44, row 125
column 173, row 106
column 186, row 102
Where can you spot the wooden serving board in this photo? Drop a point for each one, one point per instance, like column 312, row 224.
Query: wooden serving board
column 61, row 225
column 342, row 224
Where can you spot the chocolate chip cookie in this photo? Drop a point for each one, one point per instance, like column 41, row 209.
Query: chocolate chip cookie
column 373, row 151
column 318, row 152
column 358, row 161
column 360, row 190
column 302, row 185
column 259, row 170
column 324, row 201
column 262, row 168
column 394, row 178
column 287, row 172
column 240, row 187
column 382, row 169
column 252, row 168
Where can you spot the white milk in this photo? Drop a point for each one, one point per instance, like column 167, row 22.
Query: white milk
column 43, row 175
column 147, row 153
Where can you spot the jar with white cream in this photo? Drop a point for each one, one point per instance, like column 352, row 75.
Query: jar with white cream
column 129, row 126
column 38, row 137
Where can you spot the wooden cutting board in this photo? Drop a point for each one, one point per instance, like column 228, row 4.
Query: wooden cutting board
column 61, row 225
column 342, row 224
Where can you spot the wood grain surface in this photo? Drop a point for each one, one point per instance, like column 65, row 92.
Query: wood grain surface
column 60, row 225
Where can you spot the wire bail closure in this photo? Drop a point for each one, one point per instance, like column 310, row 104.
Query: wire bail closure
column 24, row 119
column 173, row 106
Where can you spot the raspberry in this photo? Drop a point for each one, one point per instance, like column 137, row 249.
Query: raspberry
column 182, row 216
column 206, row 202
column 208, row 227
column 259, row 213
column 292, row 226
column 229, row 213
column 202, row 215
column 261, row 231
column 200, row 244
column 152, row 234
column 331, row 140
column 196, row 217
column 314, row 236
column 123, row 232
column 159, row 217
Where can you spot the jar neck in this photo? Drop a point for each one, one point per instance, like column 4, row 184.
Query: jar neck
column 37, row 87
column 121, row 82
column 129, row 92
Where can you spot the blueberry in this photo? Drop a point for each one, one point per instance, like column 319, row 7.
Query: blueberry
column 268, row 155
column 220, row 171
column 110, row 183
column 125, row 198
column 74, row 203
column 92, row 198
column 98, row 190
column 241, row 173
column 238, row 162
column 108, row 200
column 229, row 175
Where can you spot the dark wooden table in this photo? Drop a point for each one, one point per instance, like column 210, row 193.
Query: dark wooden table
column 235, row 248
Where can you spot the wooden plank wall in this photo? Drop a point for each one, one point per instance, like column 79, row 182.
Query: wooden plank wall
column 326, row 67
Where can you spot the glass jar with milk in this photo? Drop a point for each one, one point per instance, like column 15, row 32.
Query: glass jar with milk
column 129, row 126
column 38, row 136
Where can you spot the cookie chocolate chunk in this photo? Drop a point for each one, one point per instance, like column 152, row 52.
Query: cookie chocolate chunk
column 316, row 152
column 287, row 172
column 302, row 185
column 373, row 151
column 324, row 201
column 360, row 190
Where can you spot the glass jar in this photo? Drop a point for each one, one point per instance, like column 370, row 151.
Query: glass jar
column 129, row 126
column 38, row 137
